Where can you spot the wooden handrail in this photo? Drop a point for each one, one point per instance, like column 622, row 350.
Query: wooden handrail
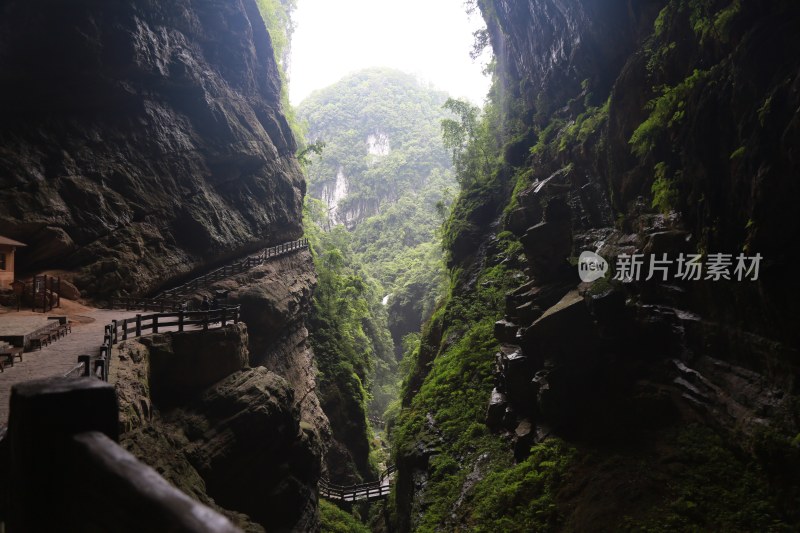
column 372, row 490
column 137, row 326
column 236, row 267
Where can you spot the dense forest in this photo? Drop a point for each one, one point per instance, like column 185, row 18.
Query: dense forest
column 385, row 174
column 380, row 182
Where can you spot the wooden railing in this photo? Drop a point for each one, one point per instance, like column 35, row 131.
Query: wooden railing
column 121, row 330
column 373, row 490
column 64, row 470
column 233, row 268
column 148, row 304
column 376, row 421
column 87, row 367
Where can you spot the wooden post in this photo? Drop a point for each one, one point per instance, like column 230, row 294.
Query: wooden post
column 114, row 332
column 44, row 414
column 223, row 317
column 236, row 315
column 180, row 320
column 101, row 364
column 124, row 329
column 205, row 321
column 85, row 359
column 155, row 323
column 138, row 325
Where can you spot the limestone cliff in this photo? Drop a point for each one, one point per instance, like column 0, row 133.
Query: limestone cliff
column 227, row 434
column 656, row 147
column 653, row 127
column 141, row 139
column 275, row 300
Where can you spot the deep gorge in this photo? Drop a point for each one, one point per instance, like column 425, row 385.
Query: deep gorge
column 143, row 143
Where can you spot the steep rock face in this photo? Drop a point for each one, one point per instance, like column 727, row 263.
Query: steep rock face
column 649, row 128
column 141, row 139
column 237, row 443
column 701, row 164
column 551, row 46
column 275, row 299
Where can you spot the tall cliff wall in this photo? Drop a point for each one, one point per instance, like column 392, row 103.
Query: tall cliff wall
column 228, row 435
column 654, row 127
column 141, row 139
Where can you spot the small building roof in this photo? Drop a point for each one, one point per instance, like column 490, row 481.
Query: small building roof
column 10, row 242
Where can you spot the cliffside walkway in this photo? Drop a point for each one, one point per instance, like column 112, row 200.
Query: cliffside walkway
column 174, row 299
column 138, row 325
column 232, row 268
column 374, row 490
column 95, row 331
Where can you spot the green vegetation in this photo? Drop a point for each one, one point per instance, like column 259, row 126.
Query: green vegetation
column 335, row 520
column 739, row 152
column 665, row 195
column 277, row 15
column 708, row 19
column 466, row 138
column 714, row 491
column 381, row 271
column 380, row 129
column 449, row 369
column 521, row 497
column 454, row 394
column 348, row 333
column 381, row 133
column 666, row 111
column 473, row 482
column 710, row 23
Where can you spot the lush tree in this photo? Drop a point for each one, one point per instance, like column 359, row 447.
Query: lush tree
column 277, row 15
column 382, row 137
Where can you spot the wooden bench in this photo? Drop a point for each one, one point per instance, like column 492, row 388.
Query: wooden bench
column 40, row 340
column 9, row 354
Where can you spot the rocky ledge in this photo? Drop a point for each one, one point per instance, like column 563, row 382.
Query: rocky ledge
column 237, row 444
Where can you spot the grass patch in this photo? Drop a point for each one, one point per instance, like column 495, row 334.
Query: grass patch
column 335, row 520
column 521, row 497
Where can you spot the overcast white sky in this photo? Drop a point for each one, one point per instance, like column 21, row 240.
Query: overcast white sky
column 429, row 38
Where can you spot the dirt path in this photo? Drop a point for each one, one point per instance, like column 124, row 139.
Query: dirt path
column 60, row 356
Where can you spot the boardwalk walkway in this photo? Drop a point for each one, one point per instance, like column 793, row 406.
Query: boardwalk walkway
column 88, row 327
column 60, row 356
column 374, row 490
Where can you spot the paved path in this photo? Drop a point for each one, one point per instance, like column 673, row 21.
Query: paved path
column 60, row 356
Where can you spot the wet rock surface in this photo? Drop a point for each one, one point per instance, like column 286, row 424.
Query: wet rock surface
column 652, row 380
column 141, row 140
column 614, row 341
column 237, row 444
